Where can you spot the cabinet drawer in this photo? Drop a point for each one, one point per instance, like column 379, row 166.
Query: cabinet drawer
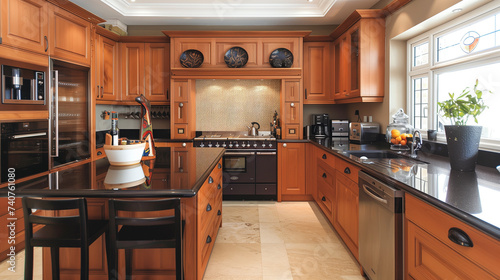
column 325, row 199
column 327, row 158
column 485, row 250
column 325, row 175
column 429, row 258
column 206, row 242
column 239, row 189
column 349, row 170
column 99, row 152
column 265, row 189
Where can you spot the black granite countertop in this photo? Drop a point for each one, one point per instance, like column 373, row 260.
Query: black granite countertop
column 473, row 197
column 175, row 172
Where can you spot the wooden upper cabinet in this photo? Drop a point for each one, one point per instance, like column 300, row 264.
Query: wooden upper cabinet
column 359, row 57
column 317, row 74
column 69, row 36
column 145, row 70
column 24, row 24
column 291, row 169
column 291, row 109
column 107, row 69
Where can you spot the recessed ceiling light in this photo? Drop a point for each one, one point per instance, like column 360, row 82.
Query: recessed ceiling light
column 456, row 10
column 309, row 0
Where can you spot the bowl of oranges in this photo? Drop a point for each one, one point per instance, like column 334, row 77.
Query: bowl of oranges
column 399, row 141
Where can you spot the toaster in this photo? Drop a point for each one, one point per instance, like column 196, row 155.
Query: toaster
column 363, row 132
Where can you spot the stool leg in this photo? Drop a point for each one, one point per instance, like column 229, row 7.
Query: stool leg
column 28, row 262
column 84, row 263
column 128, row 264
column 109, row 255
column 54, row 256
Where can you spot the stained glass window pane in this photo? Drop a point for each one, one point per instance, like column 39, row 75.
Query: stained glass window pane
column 473, row 38
column 421, row 54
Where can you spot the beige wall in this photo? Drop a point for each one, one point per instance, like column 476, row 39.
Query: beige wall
column 414, row 18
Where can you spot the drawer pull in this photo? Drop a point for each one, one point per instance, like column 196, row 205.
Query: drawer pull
column 324, row 156
column 219, row 212
column 209, row 239
column 323, row 198
column 459, row 237
column 324, row 175
column 99, row 153
column 347, row 170
column 219, row 166
column 209, row 207
column 218, row 186
column 210, row 180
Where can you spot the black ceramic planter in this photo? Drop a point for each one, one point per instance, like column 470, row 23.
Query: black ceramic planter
column 463, row 146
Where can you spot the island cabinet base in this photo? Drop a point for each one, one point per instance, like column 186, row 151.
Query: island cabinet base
column 202, row 215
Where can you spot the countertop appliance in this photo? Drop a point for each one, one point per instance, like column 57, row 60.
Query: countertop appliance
column 24, row 148
column 363, row 132
column 249, row 164
column 321, row 125
column 340, row 128
column 69, row 113
column 380, row 229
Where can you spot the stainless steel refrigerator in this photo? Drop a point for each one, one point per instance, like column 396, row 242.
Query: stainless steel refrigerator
column 69, row 113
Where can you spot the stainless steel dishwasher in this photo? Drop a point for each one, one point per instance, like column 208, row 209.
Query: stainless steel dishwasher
column 380, row 229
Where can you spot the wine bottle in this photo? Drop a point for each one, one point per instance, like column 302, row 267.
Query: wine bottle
column 114, row 128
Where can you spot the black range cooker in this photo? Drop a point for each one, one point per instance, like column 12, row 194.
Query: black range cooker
column 249, row 163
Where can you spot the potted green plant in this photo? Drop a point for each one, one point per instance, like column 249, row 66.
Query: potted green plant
column 462, row 139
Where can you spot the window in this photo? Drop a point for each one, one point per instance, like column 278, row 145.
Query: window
column 450, row 58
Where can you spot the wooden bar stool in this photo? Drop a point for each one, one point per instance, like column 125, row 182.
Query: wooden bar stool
column 140, row 233
column 64, row 231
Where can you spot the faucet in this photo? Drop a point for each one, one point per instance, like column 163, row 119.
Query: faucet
column 416, row 143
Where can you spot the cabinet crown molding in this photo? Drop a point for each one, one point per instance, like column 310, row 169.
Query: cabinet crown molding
column 355, row 17
column 235, row 34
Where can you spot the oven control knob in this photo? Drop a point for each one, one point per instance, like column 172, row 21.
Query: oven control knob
column 270, row 145
column 230, row 145
column 263, row 145
column 236, row 145
column 209, row 144
column 202, row 145
column 243, row 145
column 255, row 145
column 217, row 145
column 224, row 145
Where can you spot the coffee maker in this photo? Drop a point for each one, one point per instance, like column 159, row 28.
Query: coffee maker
column 320, row 125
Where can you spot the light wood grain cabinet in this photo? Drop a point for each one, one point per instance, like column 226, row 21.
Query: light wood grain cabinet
column 183, row 120
column 291, row 169
column 359, row 55
column 24, row 24
column 291, row 109
column 145, row 70
column 107, row 52
column 69, row 36
column 317, row 74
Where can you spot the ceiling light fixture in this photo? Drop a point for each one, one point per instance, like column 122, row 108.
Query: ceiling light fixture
column 310, row 0
column 456, row 10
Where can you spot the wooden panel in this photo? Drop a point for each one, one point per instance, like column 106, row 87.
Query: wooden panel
column 203, row 45
column 251, row 46
column 292, row 44
column 23, row 115
column 24, row 24
column 485, row 251
column 132, row 64
column 311, row 167
column 317, row 73
column 180, row 131
column 347, row 169
column 69, row 36
column 428, row 258
column 291, row 169
column 157, row 71
column 292, row 112
column 180, row 90
column 291, row 131
column 109, row 69
column 347, row 212
column 180, row 112
column 292, row 91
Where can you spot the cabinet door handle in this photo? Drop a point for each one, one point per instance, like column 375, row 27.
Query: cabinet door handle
column 168, row 96
column 459, row 237
column 292, row 104
column 102, row 92
column 284, row 145
column 324, row 175
column 209, row 239
column 218, row 213
column 181, row 105
column 305, row 91
column 210, row 180
column 323, row 198
column 218, row 187
column 347, row 170
column 324, row 156
column 209, row 207
column 97, row 91
column 219, row 166
column 46, row 43
column 99, row 153
column 184, row 145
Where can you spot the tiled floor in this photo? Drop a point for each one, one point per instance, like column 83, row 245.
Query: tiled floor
column 264, row 241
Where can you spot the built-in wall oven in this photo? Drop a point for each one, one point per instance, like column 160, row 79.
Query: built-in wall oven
column 24, row 148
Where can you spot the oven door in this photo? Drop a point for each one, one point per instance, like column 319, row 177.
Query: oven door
column 239, row 167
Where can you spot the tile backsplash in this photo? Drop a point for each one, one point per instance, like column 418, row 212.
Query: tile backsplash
column 231, row 105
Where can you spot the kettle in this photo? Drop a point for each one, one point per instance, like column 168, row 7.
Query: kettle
column 252, row 130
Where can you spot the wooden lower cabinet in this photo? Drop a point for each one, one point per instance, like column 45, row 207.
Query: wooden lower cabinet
column 291, row 171
column 347, row 213
column 202, row 215
column 430, row 254
column 326, row 194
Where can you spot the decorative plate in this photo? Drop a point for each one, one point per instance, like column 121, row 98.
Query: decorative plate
column 236, row 57
column 191, row 59
column 281, row 58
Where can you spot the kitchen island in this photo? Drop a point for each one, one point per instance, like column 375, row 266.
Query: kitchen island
column 193, row 174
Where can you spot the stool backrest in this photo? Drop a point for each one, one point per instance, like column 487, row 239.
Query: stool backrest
column 79, row 221
column 144, row 206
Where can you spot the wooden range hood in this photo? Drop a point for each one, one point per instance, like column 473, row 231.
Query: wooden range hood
column 214, row 44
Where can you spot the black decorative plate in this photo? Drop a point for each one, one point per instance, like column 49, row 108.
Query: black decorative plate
column 281, row 58
column 236, row 57
column 191, row 59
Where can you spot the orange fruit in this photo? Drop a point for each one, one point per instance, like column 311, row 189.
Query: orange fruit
column 398, row 139
column 395, row 133
column 394, row 141
column 403, row 142
column 409, row 135
column 403, row 136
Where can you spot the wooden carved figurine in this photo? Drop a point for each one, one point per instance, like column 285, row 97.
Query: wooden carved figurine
column 146, row 126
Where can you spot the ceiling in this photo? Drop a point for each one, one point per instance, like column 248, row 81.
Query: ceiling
column 225, row 12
